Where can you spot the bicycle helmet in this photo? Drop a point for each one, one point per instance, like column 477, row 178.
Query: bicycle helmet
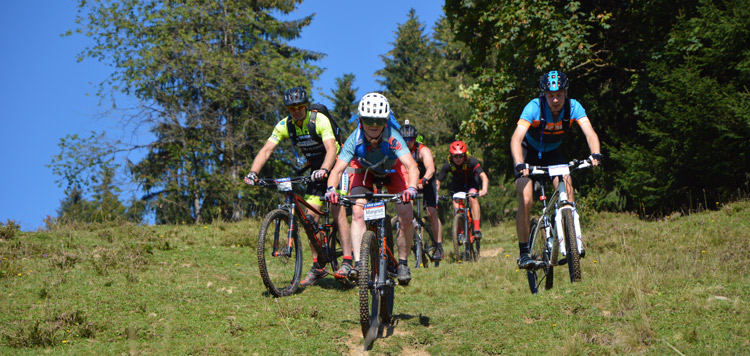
column 408, row 130
column 374, row 105
column 295, row 96
column 553, row 81
column 457, row 148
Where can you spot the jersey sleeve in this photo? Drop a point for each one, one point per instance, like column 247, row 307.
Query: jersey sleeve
column 323, row 127
column 444, row 172
column 397, row 144
column 577, row 112
column 530, row 113
column 280, row 132
column 475, row 166
column 347, row 151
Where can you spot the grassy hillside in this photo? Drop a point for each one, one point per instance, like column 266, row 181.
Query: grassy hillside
column 678, row 286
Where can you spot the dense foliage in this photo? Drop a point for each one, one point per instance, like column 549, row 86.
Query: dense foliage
column 664, row 84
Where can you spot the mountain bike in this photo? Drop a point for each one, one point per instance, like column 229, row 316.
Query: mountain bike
column 378, row 265
column 557, row 231
column 425, row 245
column 279, row 248
column 462, row 232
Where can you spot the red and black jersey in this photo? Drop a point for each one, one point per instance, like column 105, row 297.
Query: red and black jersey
column 465, row 176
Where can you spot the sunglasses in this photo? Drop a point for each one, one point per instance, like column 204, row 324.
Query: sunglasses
column 372, row 121
column 296, row 107
column 458, row 156
column 409, row 139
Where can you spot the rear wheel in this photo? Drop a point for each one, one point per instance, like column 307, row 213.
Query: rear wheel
column 459, row 235
column 571, row 246
column 279, row 263
column 428, row 242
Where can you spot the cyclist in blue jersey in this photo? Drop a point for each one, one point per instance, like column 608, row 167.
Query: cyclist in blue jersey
column 536, row 141
column 376, row 150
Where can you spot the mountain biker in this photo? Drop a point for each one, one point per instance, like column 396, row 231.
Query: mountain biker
column 534, row 143
column 320, row 156
column 423, row 156
column 376, row 150
column 467, row 174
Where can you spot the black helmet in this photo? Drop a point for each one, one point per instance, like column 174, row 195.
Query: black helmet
column 553, row 81
column 408, row 130
column 295, row 96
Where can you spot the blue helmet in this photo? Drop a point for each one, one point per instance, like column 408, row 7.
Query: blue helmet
column 553, row 81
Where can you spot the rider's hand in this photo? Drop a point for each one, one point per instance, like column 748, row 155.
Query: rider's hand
column 422, row 183
column 595, row 159
column 332, row 195
column 319, row 174
column 251, row 178
column 482, row 193
column 409, row 194
column 523, row 169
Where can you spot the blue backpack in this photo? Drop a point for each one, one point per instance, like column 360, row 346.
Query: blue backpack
column 360, row 147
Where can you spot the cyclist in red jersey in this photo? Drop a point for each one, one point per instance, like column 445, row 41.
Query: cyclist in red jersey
column 467, row 174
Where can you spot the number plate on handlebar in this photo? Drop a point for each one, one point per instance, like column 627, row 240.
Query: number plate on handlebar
column 459, row 195
column 559, row 170
column 375, row 211
column 284, row 184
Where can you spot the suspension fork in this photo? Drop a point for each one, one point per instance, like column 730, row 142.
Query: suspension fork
column 289, row 205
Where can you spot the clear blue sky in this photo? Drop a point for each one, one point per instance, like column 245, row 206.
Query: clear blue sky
column 45, row 94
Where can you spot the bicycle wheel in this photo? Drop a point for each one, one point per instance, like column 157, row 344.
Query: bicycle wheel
column 428, row 242
column 571, row 245
column 280, row 266
column 386, row 301
column 458, row 235
column 369, row 298
column 334, row 252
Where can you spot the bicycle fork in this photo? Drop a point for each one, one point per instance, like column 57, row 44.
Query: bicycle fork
column 560, row 229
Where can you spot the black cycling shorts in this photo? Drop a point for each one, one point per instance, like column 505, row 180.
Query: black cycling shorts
column 429, row 194
column 531, row 157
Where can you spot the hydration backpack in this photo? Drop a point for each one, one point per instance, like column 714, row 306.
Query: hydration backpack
column 314, row 110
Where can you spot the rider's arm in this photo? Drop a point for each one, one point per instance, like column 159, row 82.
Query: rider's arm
column 429, row 164
column 485, row 184
column 516, row 151
column 262, row 157
column 592, row 138
column 330, row 160
column 411, row 166
column 335, row 177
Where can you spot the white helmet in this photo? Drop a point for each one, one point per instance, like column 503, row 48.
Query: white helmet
column 374, row 105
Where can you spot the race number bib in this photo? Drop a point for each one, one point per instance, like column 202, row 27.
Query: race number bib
column 284, row 184
column 559, row 170
column 375, row 211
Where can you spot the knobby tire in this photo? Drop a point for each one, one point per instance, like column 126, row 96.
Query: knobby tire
column 571, row 245
column 280, row 274
column 458, row 222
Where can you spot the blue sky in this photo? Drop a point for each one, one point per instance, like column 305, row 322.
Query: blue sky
column 45, row 94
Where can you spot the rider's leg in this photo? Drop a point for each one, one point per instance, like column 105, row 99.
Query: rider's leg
column 476, row 213
column 435, row 224
column 358, row 221
column 315, row 217
column 339, row 213
column 525, row 191
column 406, row 232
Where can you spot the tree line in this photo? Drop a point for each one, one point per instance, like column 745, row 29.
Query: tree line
column 663, row 82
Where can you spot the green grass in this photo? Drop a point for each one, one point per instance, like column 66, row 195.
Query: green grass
column 652, row 288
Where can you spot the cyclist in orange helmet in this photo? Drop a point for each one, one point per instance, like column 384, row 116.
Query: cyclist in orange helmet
column 467, row 177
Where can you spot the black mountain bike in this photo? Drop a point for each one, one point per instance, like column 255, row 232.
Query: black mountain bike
column 378, row 265
column 557, row 231
column 425, row 245
column 279, row 248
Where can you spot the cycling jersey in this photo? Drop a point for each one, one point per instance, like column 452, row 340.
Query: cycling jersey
column 418, row 147
column 553, row 130
column 374, row 155
column 465, row 176
column 314, row 151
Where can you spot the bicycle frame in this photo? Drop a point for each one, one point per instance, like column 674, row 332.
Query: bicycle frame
column 463, row 207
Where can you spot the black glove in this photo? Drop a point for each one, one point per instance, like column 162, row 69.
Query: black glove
column 520, row 167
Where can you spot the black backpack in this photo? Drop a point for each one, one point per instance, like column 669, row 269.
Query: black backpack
column 566, row 116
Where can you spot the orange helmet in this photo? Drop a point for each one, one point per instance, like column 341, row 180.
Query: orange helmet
column 457, row 148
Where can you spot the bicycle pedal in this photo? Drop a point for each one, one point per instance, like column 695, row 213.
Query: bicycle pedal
column 562, row 261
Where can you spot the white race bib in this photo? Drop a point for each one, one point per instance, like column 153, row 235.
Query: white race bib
column 375, row 211
column 559, row 170
column 284, row 184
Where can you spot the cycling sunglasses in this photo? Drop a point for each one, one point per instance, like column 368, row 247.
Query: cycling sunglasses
column 459, row 156
column 296, row 107
column 409, row 139
column 372, row 121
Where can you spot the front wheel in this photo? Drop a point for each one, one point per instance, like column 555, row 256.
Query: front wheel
column 369, row 298
column 279, row 259
column 571, row 245
column 459, row 236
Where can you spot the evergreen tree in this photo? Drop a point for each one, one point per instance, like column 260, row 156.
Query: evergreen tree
column 344, row 101
column 211, row 76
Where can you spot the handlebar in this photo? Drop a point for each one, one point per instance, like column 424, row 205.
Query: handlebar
column 572, row 166
column 349, row 200
column 275, row 181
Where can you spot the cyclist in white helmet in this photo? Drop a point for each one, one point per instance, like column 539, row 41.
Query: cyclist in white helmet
column 376, row 150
